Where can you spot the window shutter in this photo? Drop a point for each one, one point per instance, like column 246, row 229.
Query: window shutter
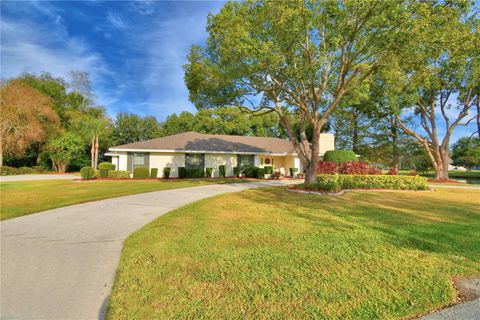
column 130, row 162
column 146, row 160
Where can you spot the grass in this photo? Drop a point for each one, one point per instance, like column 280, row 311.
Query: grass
column 26, row 197
column 266, row 253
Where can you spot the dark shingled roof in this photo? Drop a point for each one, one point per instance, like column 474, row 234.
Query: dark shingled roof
column 194, row 141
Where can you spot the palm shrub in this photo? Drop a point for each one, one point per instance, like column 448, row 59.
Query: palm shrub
column 153, row 172
column 104, row 167
column 87, row 173
column 339, row 156
column 140, row 173
column 222, row 170
column 166, row 172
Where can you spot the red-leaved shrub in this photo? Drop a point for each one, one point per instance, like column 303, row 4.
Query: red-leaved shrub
column 374, row 170
column 393, row 171
column 413, row 173
column 326, row 167
column 354, row 167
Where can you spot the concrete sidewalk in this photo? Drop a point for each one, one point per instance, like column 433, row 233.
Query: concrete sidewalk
column 466, row 311
column 60, row 264
column 46, row 176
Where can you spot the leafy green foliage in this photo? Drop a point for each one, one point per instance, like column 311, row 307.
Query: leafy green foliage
column 153, row 172
column 208, row 172
column 166, row 172
column 394, row 182
column 194, row 173
column 87, row 173
column 236, row 171
column 104, row 168
column 268, row 169
column 140, row 173
column 222, row 170
column 339, row 156
column 64, row 149
column 182, row 172
column 260, row 173
column 118, row 174
column 130, row 128
column 466, row 152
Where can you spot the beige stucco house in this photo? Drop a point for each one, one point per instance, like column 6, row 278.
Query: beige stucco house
column 196, row 150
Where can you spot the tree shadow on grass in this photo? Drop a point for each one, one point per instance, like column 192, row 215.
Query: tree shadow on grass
column 409, row 220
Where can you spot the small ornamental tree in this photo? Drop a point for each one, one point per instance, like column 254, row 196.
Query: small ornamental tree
column 298, row 60
column 64, row 149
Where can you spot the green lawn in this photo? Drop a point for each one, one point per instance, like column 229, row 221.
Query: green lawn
column 269, row 254
column 25, row 197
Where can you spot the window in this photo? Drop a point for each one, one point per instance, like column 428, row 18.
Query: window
column 194, row 160
column 244, row 161
column 138, row 160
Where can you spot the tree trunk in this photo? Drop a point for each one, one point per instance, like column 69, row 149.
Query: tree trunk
column 96, row 150
column 355, row 143
column 311, row 169
column 1, row 153
column 478, row 115
column 92, row 154
column 395, row 153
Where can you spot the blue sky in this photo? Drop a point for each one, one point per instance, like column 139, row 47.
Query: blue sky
column 133, row 51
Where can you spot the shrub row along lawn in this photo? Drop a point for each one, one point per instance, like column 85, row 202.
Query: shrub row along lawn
column 25, row 197
column 269, row 254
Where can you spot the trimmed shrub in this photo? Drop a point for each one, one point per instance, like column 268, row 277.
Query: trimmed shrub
column 39, row 169
column 96, row 173
column 413, row 173
column 236, row 172
column 166, row 172
column 222, row 170
column 268, row 169
column 374, row 182
column 333, row 186
column 87, row 173
column 140, row 173
column 153, row 172
column 195, row 172
column 260, row 173
column 250, row 172
column 374, row 170
column 182, row 172
column 104, row 167
column 8, row 171
column 25, row 170
column 209, row 172
column 326, row 167
column 293, row 171
column 118, row 174
column 339, row 156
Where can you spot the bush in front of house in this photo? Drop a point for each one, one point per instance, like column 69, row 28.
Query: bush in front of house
column 326, row 167
column 104, row 167
column 182, row 172
column 209, row 172
column 87, row 173
column 140, row 173
column 222, row 171
column 8, row 171
column 118, row 174
column 268, row 169
column 195, row 172
column 166, row 172
column 249, row 172
column 236, row 172
column 373, row 182
column 153, row 172
column 293, row 171
column 339, row 156
column 393, row 171
column 26, row 170
column 260, row 173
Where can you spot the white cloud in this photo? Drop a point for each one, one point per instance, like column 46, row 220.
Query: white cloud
column 116, row 21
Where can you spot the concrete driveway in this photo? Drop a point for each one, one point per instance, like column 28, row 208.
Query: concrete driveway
column 46, row 176
column 60, row 264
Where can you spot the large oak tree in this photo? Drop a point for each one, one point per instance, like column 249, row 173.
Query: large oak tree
column 298, row 59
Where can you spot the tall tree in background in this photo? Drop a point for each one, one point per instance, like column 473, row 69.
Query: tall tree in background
column 130, row 127
column 439, row 77
column 466, row 152
column 27, row 115
column 298, row 59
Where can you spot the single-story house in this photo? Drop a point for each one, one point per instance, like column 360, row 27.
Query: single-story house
column 196, row 150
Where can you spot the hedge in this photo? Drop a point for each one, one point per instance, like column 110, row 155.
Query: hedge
column 260, row 173
column 140, row 173
column 153, row 172
column 339, row 156
column 194, row 172
column 209, row 172
column 166, row 172
column 87, row 173
column 118, row 174
column 268, row 169
column 236, row 172
column 104, row 167
column 222, row 170
column 9, row 171
column 373, row 182
column 182, row 172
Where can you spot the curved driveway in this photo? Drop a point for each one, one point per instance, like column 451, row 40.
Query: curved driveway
column 60, row 264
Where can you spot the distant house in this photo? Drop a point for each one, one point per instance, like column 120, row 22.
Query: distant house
column 196, row 150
